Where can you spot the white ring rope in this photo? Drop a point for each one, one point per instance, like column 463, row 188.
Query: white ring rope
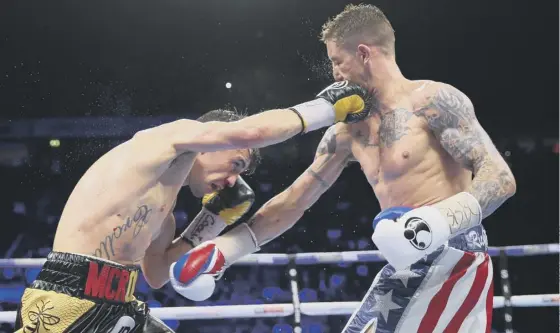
column 314, row 258
column 312, row 308
column 284, row 310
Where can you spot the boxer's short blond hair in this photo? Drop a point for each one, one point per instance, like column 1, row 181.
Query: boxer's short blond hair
column 361, row 24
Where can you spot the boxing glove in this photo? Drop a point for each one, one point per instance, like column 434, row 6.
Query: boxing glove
column 219, row 209
column 405, row 235
column 351, row 102
column 392, row 213
column 341, row 101
column 193, row 275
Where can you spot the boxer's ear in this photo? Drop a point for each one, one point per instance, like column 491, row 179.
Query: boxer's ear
column 364, row 53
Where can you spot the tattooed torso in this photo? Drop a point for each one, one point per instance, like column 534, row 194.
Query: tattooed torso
column 118, row 207
column 401, row 158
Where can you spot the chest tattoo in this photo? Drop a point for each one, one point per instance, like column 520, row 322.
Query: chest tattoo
column 393, row 126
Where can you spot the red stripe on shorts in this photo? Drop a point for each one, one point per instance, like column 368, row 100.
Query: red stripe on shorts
column 489, row 305
column 472, row 298
column 439, row 301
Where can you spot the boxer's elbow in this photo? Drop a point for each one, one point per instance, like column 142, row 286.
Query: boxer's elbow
column 505, row 179
column 230, row 136
column 157, row 279
column 509, row 183
column 246, row 137
column 156, row 283
column 156, row 272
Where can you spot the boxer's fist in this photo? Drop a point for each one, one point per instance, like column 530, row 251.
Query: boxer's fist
column 341, row 101
column 230, row 203
column 200, row 289
column 404, row 235
column 190, row 276
column 350, row 101
column 219, row 209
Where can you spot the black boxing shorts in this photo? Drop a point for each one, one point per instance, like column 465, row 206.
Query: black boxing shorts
column 76, row 293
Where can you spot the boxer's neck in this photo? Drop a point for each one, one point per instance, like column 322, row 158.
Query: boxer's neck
column 386, row 78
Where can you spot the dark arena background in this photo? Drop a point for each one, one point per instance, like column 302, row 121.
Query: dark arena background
column 79, row 77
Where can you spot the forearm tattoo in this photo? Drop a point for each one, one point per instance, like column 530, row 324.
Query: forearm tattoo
column 253, row 224
column 326, row 149
column 450, row 115
column 317, row 177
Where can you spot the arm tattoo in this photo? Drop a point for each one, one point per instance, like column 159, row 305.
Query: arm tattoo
column 451, row 117
column 250, row 222
column 328, row 143
column 321, row 181
column 283, row 211
column 327, row 149
column 324, row 183
column 327, row 146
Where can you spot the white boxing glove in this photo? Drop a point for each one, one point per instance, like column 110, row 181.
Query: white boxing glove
column 199, row 289
column 406, row 239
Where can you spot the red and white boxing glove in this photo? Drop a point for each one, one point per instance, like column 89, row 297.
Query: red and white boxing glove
column 193, row 274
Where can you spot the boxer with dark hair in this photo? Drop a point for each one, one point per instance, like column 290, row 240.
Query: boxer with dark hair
column 120, row 214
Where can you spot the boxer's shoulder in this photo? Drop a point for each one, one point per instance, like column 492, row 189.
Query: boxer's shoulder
column 439, row 103
column 437, row 96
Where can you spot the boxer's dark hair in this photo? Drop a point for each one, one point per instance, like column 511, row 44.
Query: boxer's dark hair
column 360, row 24
column 230, row 116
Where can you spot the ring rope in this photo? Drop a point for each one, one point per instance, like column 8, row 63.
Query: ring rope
column 314, row 258
column 284, row 310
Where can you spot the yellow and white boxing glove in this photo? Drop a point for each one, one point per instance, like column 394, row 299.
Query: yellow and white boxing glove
column 219, row 210
column 341, row 101
column 405, row 235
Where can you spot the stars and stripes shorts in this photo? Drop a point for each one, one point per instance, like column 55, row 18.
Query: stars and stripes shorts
column 449, row 291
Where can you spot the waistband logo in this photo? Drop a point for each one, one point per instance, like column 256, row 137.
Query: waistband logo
column 110, row 283
column 41, row 318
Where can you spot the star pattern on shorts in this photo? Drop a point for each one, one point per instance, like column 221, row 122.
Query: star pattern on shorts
column 404, row 275
column 384, row 304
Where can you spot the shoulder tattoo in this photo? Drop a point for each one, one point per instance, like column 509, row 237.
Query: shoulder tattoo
column 450, row 115
column 327, row 146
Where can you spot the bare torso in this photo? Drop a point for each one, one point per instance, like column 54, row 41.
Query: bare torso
column 401, row 158
column 118, row 206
